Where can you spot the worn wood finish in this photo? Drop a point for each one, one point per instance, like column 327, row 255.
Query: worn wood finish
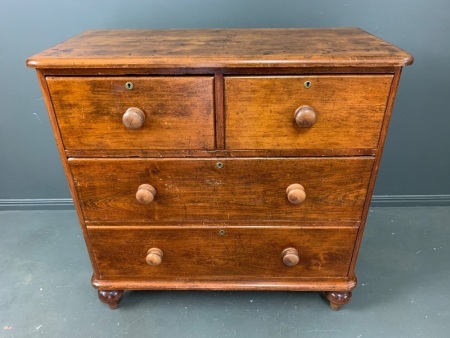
column 296, row 193
column 257, row 152
column 133, row 118
column 250, row 189
column 210, row 71
column 229, row 283
column 290, row 257
column 145, row 194
column 373, row 177
column 305, row 116
column 65, row 163
column 221, row 48
column 179, row 112
column 220, row 116
column 212, row 251
column 187, row 153
column 154, row 256
column 280, row 224
column 110, row 297
column 260, row 111
column 338, row 299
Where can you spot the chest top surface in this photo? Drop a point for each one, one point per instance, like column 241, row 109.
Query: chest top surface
column 220, row 48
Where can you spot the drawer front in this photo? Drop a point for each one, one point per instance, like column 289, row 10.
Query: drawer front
column 221, row 252
column 222, row 189
column 177, row 112
column 348, row 111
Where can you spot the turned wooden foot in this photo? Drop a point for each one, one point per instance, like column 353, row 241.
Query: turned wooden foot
column 110, row 297
column 338, row 299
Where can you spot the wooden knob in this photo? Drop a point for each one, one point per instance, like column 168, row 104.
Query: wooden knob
column 133, row 118
column 145, row 194
column 296, row 193
column 305, row 116
column 290, row 257
column 154, row 256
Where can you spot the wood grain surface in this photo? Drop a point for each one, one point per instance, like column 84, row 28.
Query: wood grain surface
column 179, row 112
column 189, row 190
column 217, row 48
column 243, row 189
column 260, row 111
column 235, row 252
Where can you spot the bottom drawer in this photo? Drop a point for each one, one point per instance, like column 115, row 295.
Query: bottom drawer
column 221, row 252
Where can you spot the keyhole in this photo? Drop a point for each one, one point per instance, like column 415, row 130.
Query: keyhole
column 129, row 85
column 307, row 84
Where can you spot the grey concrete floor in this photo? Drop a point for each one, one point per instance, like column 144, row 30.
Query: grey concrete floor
column 403, row 291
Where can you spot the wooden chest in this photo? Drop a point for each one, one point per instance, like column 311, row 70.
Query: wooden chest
column 221, row 159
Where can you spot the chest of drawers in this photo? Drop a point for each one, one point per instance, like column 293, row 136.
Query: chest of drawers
column 232, row 159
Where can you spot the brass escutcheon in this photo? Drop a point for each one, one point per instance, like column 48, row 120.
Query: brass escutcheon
column 307, row 84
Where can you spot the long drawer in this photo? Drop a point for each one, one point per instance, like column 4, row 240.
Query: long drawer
column 166, row 112
column 343, row 111
column 221, row 188
column 193, row 253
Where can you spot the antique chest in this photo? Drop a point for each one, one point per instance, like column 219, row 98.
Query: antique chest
column 221, row 159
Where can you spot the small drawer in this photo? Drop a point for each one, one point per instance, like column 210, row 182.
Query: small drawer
column 119, row 113
column 266, row 189
column 305, row 112
column 195, row 253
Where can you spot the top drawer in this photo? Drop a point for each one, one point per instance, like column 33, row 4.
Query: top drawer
column 349, row 111
column 177, row 112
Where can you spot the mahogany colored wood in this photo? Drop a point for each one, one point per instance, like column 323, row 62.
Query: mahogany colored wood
column 229, row 283
column 222, row 48
column 296, row 193
column 247, row 252
column 145, row 194
column 154, row 256
column 219, row 122
column 373, row 177
column 110, row 297
column 338, row 299
column 186, row 153
column 216, row 71
column 290, row 257
column 65, row 163
column 350, row 111
column 220, row 116
column 305, row 116
column 179, row 112
column 242, row 189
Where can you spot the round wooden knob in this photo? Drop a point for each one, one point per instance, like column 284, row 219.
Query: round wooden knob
column 290, row 257
column 305, row 116
column 145, row 194
column 133, row 118
column 154, row 256
column 296, row 193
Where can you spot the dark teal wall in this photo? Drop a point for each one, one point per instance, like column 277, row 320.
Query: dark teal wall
column 417, row 153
